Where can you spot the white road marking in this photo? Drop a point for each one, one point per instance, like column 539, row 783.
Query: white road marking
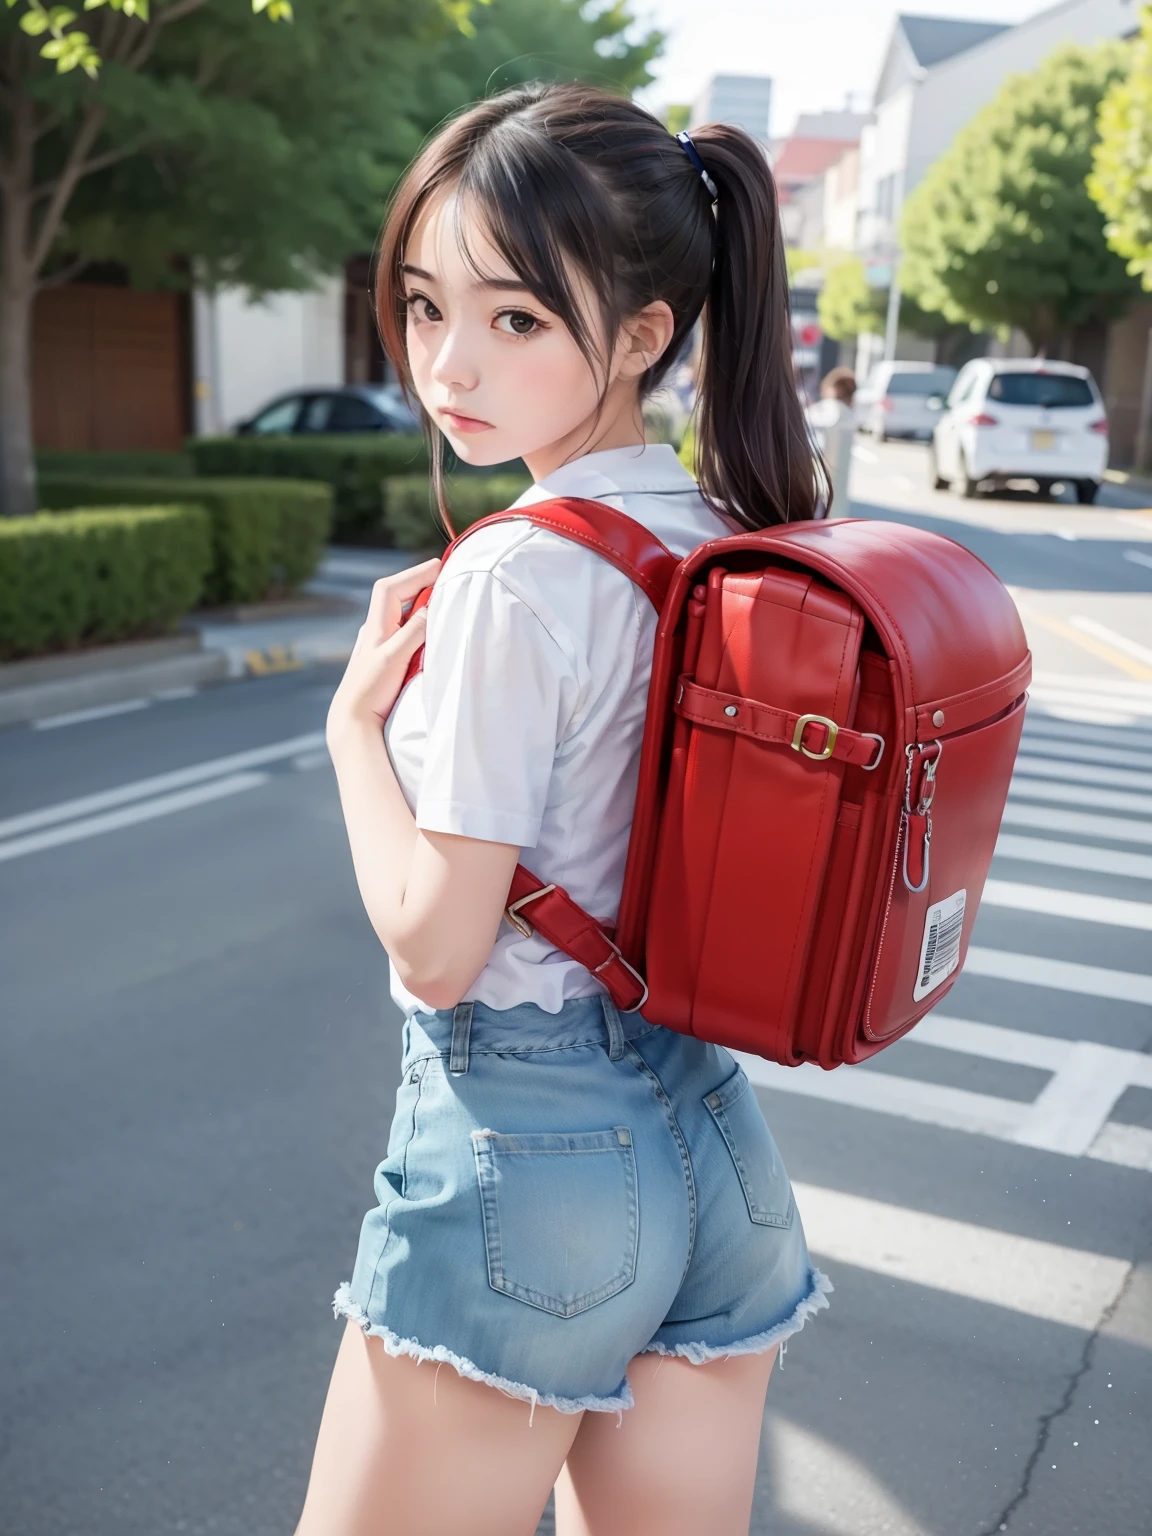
column 1073, row 1107
column 64, row 810
column 1082, row 752
column 1128, row 1146
column 1110, row 910
column 129, row 815
column 97, row 712
column 1059, row 975
column 1036, row 725
column 1100, row 631
column 167, row 695
column 1022, row 787
column 1082, row 773
column 1078, row 681
column 1138, row 557
column 1105, row 861
column 1039, row 1279
column 1121, row 829
column 308, row 760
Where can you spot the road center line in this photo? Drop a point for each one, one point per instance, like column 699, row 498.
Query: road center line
column 129, row 815
column 178, row 779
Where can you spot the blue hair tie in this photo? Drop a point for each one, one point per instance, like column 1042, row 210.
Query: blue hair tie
column 685, row 142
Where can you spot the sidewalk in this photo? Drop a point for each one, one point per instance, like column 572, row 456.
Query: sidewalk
column 210, row 648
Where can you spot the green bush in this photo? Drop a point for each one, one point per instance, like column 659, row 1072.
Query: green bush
column 58, row 461
column 354, row 465
column 410, row 504
column 268, row 536
column 87, row 576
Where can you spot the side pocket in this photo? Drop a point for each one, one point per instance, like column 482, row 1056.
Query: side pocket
column 759, row 1165
column 561, row 1215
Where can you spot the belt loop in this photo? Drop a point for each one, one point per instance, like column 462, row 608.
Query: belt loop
column 615, row 1029
column 461, row 1038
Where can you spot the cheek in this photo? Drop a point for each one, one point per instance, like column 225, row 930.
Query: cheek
column 555, row 384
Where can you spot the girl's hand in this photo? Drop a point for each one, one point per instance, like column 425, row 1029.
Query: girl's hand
column 379, row 660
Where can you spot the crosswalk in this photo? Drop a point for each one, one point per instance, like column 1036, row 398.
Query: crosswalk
column 1072, row 849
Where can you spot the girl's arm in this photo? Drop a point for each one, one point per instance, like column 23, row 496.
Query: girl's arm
column 435, row 900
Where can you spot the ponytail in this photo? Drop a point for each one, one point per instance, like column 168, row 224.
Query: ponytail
column 754, row 455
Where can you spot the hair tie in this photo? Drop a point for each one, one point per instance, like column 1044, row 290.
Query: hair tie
column 685, row 142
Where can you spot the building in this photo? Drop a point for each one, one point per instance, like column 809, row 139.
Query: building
column 742, row 100
column 818, row 141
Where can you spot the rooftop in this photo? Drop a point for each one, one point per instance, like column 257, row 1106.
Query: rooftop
column 932, row 39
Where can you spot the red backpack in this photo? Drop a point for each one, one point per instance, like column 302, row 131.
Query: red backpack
column 833, row 717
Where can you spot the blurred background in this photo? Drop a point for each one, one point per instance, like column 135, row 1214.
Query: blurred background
column 205, row 461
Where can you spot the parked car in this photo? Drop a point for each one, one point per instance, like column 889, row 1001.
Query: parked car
column 1021, row 419
column 343, row 408
column 894, row 400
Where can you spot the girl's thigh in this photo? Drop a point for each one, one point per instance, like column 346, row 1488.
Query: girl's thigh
column 682, row 1462
column 411, row 1449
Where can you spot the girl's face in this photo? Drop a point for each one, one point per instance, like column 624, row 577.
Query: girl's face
column 500, row 375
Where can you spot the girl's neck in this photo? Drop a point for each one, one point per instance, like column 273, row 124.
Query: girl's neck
column 619, row 425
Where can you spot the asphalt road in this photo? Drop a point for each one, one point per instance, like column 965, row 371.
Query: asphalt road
column 198, row 1060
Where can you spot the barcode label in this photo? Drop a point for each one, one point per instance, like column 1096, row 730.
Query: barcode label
column 940, row 951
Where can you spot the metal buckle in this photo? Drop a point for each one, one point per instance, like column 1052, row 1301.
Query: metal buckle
column 830, row 745
column 916, row 889
column 512, row 912
column 616, row 955
column 880, row 745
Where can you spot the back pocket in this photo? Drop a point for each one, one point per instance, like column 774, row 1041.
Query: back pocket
column 759, row 1165
column 561, row 1219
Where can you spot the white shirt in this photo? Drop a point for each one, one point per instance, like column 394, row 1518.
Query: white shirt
column 525, row 725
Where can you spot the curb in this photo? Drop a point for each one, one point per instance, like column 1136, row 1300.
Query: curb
column 102, row 677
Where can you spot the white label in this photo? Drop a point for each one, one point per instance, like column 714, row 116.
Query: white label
column 940, row 951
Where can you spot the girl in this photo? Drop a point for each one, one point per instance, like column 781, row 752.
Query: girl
column 580, row 1212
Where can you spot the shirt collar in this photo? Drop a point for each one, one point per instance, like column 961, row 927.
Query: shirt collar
column 649, row 467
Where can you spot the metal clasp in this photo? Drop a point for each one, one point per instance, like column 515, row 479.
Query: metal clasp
column 829, row 746
column 635, row 974
column 512, row 911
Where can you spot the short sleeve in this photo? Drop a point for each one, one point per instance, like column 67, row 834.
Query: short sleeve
column 494, row 684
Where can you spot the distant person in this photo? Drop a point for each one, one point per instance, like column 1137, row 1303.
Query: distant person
column 833, row 422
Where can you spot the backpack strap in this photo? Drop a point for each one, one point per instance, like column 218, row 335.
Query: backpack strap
column 627, row 545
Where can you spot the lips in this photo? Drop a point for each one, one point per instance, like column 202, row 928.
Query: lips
column 461, row 423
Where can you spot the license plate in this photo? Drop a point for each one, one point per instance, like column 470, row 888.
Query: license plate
column 1043, row 442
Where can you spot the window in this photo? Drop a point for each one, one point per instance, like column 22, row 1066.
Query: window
column 1052, row 391
column 350, row 413
column 316, row 414
column 964, row 387
column 927, row 381
column 278, row 418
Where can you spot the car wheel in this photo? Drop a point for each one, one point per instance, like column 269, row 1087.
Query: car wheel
column 935, row 479
column 1087, row 491
column 969, row 488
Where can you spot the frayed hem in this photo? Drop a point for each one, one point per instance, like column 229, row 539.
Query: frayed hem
column 758, row 1343
column 344, row 1306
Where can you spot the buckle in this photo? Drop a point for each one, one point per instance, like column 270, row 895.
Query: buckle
column 880, row 745
column 512, row 912
column 830, row 726
column 636, row 976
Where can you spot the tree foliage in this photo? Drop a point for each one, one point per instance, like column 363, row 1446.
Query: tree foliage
column 1121, row 178
column 1002, row 232
column 847, row 306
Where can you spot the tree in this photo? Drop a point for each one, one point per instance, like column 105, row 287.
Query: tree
column 847, row 306
column 1121, row 178
column 261, row 154
column 1002, row 232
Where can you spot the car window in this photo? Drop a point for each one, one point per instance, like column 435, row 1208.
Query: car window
column 350, row 413
column 316, row 414
column 927, row 381
column 1053, row 391
column 965, row 387
column 280, row 417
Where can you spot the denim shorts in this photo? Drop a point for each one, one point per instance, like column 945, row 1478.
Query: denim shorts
column 565, row 1191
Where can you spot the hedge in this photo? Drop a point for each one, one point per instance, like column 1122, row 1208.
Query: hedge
column 410, row 505
column 62, row 461
column 268, row 536
column 355, row 466
column 80, row 576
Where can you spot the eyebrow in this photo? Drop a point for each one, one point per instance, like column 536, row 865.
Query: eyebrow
column 502, row 284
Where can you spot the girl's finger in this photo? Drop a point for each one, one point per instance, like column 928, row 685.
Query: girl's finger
column 390, row 593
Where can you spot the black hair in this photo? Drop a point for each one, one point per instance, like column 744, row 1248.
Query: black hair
column 569, row 175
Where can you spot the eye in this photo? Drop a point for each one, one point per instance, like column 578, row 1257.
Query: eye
column 421, row 307
column 517, row 322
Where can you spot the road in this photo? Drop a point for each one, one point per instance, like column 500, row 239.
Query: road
column 199, row 1058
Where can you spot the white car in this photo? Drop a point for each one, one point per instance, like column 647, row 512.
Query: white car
column 894, row 399
column 1021, row 419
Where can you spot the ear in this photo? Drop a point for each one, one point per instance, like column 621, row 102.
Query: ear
column 644, row 339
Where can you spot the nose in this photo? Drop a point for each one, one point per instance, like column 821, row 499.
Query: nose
column 454, row 366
